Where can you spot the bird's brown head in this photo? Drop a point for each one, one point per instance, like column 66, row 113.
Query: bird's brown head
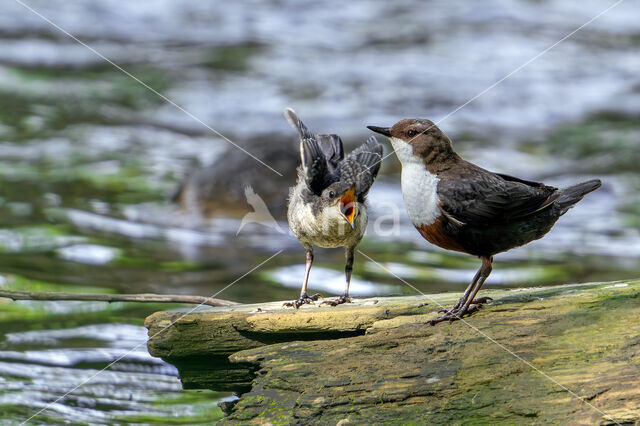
column 418, row 137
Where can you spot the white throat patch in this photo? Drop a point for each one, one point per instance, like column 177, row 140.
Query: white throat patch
column 419, row 187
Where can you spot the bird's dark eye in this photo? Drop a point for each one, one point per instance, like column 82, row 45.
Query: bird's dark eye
column 411, row 133
column 332, row 194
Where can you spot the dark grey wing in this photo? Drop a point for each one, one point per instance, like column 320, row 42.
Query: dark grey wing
column 314, row 163
column 331, row 146
column 361, row 167
column 481, row 198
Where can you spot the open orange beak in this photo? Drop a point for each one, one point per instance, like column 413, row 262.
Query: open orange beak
column 348, row 206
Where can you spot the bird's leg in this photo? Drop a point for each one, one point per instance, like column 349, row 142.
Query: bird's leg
column 464, row 304
column 347, row 272
column 486, row 270
column 304, row 298
column 466, row 294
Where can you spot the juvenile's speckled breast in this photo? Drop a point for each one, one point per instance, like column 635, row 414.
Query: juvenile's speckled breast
column 328, row 228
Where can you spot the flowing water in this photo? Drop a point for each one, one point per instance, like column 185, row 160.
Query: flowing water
column 89, row 161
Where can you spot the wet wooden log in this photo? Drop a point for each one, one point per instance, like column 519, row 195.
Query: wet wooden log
column 201, row 342
column 532, row 356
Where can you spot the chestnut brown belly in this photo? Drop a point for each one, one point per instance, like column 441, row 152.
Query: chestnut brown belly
column 437, row 234
column 489, row 239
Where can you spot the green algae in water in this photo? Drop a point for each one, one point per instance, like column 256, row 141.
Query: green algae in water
column 611, row 139
column 231, row 58
column 606, row 143
column 187, row 407
column 28, row 112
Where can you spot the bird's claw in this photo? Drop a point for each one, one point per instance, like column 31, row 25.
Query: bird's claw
column 479, row 301
column 455, row 313
column 303, row 300
column 340, row 300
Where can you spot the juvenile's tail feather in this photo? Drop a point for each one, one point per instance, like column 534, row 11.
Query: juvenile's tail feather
column 293, row 119
column 572, row 194
column 314, row 162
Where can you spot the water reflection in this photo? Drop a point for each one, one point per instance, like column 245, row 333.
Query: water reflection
column 70, row 372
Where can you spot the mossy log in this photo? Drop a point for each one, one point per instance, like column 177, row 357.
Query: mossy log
column 566, row 354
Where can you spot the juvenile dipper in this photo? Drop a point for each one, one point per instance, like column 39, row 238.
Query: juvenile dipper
column 327, row 206
column 459, row 206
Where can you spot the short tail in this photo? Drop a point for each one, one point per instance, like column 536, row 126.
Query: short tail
column 572, row 194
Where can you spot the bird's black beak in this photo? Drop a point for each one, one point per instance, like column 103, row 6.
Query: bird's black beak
column 382, row 130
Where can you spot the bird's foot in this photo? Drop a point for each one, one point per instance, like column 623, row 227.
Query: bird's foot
column 303, row 300
column 479, row 301
column 339, row 301
column 457, row 313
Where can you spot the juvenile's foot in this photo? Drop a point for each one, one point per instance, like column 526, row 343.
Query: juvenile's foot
column 339, row 301
column 303, row 300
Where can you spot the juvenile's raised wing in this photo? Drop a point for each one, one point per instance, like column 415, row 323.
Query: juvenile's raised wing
column 361, row 167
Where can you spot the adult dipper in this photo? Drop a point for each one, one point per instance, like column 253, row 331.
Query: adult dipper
column 327, row 206
column 459, row 206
